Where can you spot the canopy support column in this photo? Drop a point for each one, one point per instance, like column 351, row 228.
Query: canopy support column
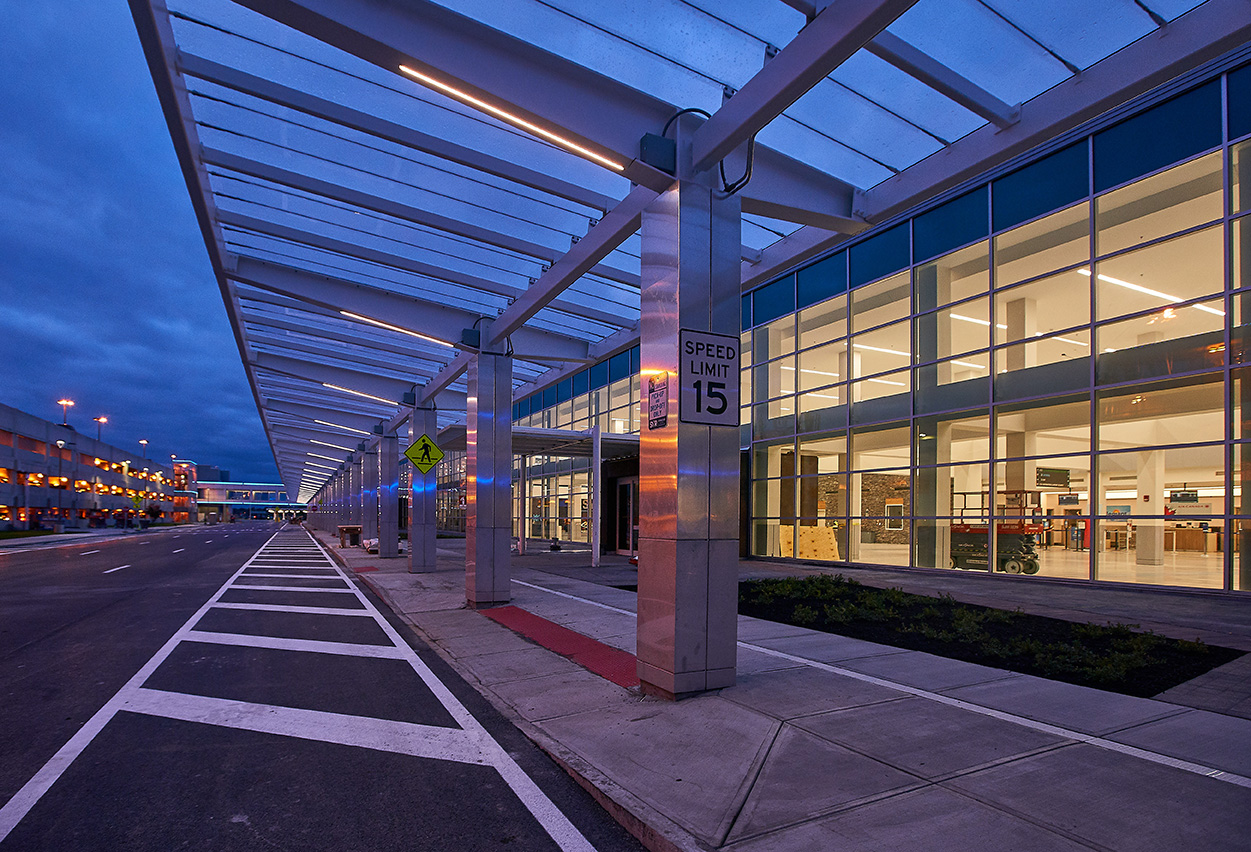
column 597, row 490
column 689, row 471
column 422, row 518
column 488, row 476
column 388, row 497
column 369, row 494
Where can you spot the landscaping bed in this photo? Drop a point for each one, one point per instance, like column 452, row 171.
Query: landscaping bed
column 1115, row 657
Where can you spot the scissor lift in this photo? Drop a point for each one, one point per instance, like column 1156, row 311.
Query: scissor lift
column 970, row 539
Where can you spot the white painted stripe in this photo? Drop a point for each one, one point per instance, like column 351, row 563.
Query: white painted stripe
column 180, row 550
column 118, row 568
column 1056, row 730
column 89, row 552
column 309, row 610
column 576, row 598
column 314, row 646
column 289, row 588
column 33, row 790
column 557, row 825
column 377, row 734
column 331, row 576
column 142, row 543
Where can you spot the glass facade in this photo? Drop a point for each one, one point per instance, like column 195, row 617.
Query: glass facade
column 1042, row 375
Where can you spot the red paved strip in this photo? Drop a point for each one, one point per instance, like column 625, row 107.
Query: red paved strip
column 362, row 569
column 608, row 662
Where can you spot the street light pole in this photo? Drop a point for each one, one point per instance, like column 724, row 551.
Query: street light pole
column 100, row 421
column 65, row 406
column 60, row 466
column 143, row 447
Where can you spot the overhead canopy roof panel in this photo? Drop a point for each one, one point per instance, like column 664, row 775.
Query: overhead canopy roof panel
column 359, row 215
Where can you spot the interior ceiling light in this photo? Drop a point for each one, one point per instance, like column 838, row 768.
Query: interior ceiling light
column 978, row 321
column 359, row 393
column 396, row 328
column 465, row 97
column 321, row 466
column 1118, row 282
column 332, row 446
column 344, row 428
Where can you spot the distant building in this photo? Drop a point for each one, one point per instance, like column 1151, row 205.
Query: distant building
column 50, row 474
column 232, row 501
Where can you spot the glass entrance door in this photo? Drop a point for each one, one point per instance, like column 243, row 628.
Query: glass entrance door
column 627, row 516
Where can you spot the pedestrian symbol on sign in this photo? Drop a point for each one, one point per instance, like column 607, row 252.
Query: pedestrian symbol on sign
column 424, row 454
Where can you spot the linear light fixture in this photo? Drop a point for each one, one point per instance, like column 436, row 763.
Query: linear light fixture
column 1118, row 282
column 396, row 328
column 332, row 446
column 880, row 349
column 322, row 466
column 812, row 372
column 970, row 364
column 327, row 458
column 465, row 97
column 359, row 393
column 344, row 428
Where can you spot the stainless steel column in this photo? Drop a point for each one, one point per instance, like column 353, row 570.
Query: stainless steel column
column 422, row 520
column 597, row 490
column 688, row 473
column 354, row 490
column 488, row 477
column 369, row 494
column 389, row 497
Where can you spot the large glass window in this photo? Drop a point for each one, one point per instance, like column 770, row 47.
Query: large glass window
column 1160, row 275
column 1173, row 201
column 1054, row 242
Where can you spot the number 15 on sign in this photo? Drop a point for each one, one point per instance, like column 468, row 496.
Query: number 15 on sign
column 708, row 378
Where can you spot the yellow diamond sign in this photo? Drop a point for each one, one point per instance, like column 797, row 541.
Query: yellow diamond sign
column 424, row 454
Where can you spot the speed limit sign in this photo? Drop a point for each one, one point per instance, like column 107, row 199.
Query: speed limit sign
column 708, row 378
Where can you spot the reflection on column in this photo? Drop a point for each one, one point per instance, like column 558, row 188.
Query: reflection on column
column 389, row 494
column 422, row 517
column 488, row 477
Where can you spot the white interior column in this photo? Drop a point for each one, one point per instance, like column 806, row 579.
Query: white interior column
column 488, row 477
column 422, row 518
column 389, row 497
column 1150, row 531
column 688, row 472
column 597, row 462
column 369, row 494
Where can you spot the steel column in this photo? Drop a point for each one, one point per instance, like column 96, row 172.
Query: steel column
column 422, row 520
column 389, row 497
column 488, row 476
column 369, row 494
column 597, row 463
column 688, row 473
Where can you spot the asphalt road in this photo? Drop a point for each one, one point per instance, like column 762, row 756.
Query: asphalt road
column 191, row 690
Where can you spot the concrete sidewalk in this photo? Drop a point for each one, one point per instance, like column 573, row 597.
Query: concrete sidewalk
column 832, row 743
column 82, row 537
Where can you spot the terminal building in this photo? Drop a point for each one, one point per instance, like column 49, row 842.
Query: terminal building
column 940, row 286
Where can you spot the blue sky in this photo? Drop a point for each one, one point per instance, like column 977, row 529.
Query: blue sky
column 106, row 291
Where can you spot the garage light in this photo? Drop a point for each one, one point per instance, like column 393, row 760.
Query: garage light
column 358, row 393
column 396, row 328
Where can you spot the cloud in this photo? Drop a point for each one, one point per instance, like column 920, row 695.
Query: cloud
column 107, row 291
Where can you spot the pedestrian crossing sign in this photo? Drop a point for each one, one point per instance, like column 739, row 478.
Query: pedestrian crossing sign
column 424, row 454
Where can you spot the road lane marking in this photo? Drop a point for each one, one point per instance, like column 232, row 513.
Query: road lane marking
column 142, row 543
column 180, row 550
column 118, row 568
column 278, row 643
column 89, row 552
column 363, row 732
column 311, row 610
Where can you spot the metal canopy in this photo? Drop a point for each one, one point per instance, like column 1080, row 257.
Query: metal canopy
column 565, row 443
column 372, row 177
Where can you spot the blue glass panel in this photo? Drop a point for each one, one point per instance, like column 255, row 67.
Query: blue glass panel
column 1240, row 102
column 746, row 312
column 1053, row 182
column 823, row 279
column 773, row 300
column 549, row 396
column 516, row 411
column 527, row 406
column 581, row 382
column 635, row 361
column 564, row 390
column 879, row 256
column 1166, row 134
column 619, row 366
column 956, row 223
column 598, row 375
